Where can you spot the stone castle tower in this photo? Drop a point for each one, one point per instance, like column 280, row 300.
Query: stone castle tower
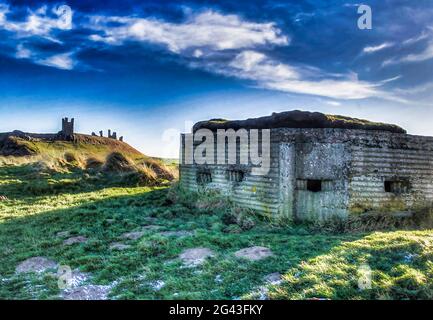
column 67, row 132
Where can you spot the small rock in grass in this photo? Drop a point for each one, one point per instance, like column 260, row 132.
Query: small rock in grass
column 78, row 278
column 73, row 240
column 88, row 292
column 110, row 221
column 408, row 258
column 262, row 294
column 132, row 235
column 150, row 227
column 72, row 280
column 254, row 253
column 119, row 246
column 273, row 278
column 157, row 285
column 3, row 198
column 195, row 256
column 218, row 278
column 63, row 234
column 179, row 233
column 36, row 264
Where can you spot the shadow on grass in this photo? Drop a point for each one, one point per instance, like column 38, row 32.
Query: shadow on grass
column 381, row 265
column 103, row 222
column 314, row 264
column 29, row 183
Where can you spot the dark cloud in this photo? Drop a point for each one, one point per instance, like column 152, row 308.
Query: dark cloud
column 321, row 36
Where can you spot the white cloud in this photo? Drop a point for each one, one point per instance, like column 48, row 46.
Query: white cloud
column 416, row 39
column 197, row 53
column 352, row 4
column 423, row 88
column 40, row 22
column 425, row 54
column 270, row 74
column 333, row 103
column 22, row 52
column 62, row 61
column 207, row 31
column 202, row 36
column 391, row 79
column 382, row 46
column 256, row 66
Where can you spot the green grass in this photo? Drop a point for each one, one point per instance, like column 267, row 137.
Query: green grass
column 314, row 265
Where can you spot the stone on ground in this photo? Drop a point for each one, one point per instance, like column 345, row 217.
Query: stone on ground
column 219, row 278
column 119, row 246
column 151, row 227
column 134, row 235
column 73, row 280
column 195, row 256
column 179, row 233
column 78, row 278
column 88, row 292
column 63, row 234
column 74, row 240
column 35, row 264
column 254, row 253
column 273, row 278
column 157, row 285
column 262, row 292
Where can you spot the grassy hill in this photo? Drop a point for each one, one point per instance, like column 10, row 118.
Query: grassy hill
column 104, row 210
column 84, row 145
column 86, row 153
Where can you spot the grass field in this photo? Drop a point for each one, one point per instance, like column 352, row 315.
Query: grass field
column 38, row 205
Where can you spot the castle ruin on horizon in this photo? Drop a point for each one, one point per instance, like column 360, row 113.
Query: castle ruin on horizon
column 67, row 133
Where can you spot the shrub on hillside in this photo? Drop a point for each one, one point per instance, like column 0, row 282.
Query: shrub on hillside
column 93, row 163
column 72, row 160
column 70, row 157
column 161, row 170
column 117, row 162
column 15, row 146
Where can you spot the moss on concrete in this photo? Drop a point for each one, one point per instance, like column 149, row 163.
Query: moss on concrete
column 298, row 119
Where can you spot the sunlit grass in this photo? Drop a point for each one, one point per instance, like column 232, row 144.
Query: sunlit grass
column 313, row 264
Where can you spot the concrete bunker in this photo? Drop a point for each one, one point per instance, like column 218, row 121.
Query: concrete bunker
column 321, row 166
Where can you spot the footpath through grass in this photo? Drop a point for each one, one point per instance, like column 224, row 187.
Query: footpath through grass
column 313, row 265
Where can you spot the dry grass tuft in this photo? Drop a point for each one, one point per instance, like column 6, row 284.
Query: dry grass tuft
column 377, row 221
column 117, row 162
column 94, row 163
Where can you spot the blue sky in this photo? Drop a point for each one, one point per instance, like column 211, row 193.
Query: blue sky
column 150, row 69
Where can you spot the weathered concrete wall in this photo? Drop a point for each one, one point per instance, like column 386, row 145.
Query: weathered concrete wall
column 352, row 166
column 403, row 158
column 287, row 181
column 327, row 162
column 319, row 155
column 257, row 192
